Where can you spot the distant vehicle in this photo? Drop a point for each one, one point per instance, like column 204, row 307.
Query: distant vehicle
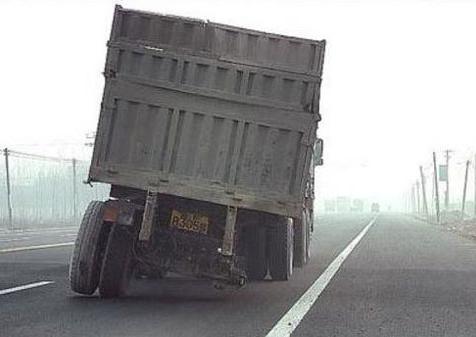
column 207, row 135
column 357, row 205
column 343, row 204
column 375, row 208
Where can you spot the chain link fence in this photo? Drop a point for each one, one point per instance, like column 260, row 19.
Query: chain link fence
column 43, row 191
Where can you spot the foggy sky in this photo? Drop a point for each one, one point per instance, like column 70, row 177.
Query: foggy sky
column 399, row 79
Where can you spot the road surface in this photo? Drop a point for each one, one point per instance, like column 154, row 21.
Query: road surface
column 393, row 277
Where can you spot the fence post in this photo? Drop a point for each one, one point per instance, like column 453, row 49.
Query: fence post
column 417, row 184
column 464, row 189
column 437, row 194
column 474, row 206
column 9, row 191
column 75, row 191
column 413, row 200
column 423, row 191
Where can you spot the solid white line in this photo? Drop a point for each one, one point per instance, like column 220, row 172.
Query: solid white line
column 38, row 231
column 20, row 249
column 289, row 322
column 16, row 239
column 24, row 287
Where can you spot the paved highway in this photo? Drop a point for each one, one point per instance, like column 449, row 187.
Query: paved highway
column 392, row 277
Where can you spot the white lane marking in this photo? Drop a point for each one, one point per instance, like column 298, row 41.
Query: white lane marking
column 16, row 239
column 289, row 322
column 38, row 232
column 24, row 287
column 24, row 238
column 19, row 249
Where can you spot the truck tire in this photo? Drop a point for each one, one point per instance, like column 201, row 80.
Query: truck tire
column 300, row 243
column 116, row 268
column 86, row 260
column 280, row 253
column 256, row 264
column 309, row 229
column 302, row 240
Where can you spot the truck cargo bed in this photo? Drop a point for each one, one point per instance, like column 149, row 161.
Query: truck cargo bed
column 207, row 111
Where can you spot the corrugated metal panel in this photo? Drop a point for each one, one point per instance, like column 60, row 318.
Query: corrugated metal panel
column 229, row 42
column 199, row 127
column 194, row 144
column 219, row 79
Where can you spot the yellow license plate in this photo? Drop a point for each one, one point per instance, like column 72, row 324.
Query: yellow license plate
column 189, row 221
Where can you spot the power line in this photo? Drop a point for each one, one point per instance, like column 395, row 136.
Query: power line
column 19, row 154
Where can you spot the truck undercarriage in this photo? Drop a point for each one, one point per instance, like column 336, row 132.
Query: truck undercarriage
column 181, row 236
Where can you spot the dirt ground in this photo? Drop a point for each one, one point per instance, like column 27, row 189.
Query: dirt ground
column 465, row 228
column 452, row 221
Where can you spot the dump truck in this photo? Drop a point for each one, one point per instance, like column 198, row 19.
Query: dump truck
column 207, row 135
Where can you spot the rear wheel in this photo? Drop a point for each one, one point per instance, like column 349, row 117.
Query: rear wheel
column 117, row 265
column 256, row 264
column 281, row 247
column 309, row 228
column 85, row 265
column 302, row 240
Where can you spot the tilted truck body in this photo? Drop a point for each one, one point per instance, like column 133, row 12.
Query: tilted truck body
column 207, row 135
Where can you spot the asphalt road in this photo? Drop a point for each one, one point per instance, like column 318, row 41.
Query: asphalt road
column 403, row 278
column 34, row 237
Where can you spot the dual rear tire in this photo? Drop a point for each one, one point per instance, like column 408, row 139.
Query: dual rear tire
column 256, row 259
column 302, row 240
column 281, row 249
column 88, row 252
column 102, row 255
column 269, row 248
column 117, row 265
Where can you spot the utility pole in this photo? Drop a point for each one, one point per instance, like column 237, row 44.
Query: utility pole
column 75, row 192
column 474, row 186
column 418, row 196
column 437, row 194
column 413, row 200
column 464, row 188
column 9, row 190
column 447, row 192
column 423, row 191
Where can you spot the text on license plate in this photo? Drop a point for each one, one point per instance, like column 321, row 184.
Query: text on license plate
column 189, row 221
